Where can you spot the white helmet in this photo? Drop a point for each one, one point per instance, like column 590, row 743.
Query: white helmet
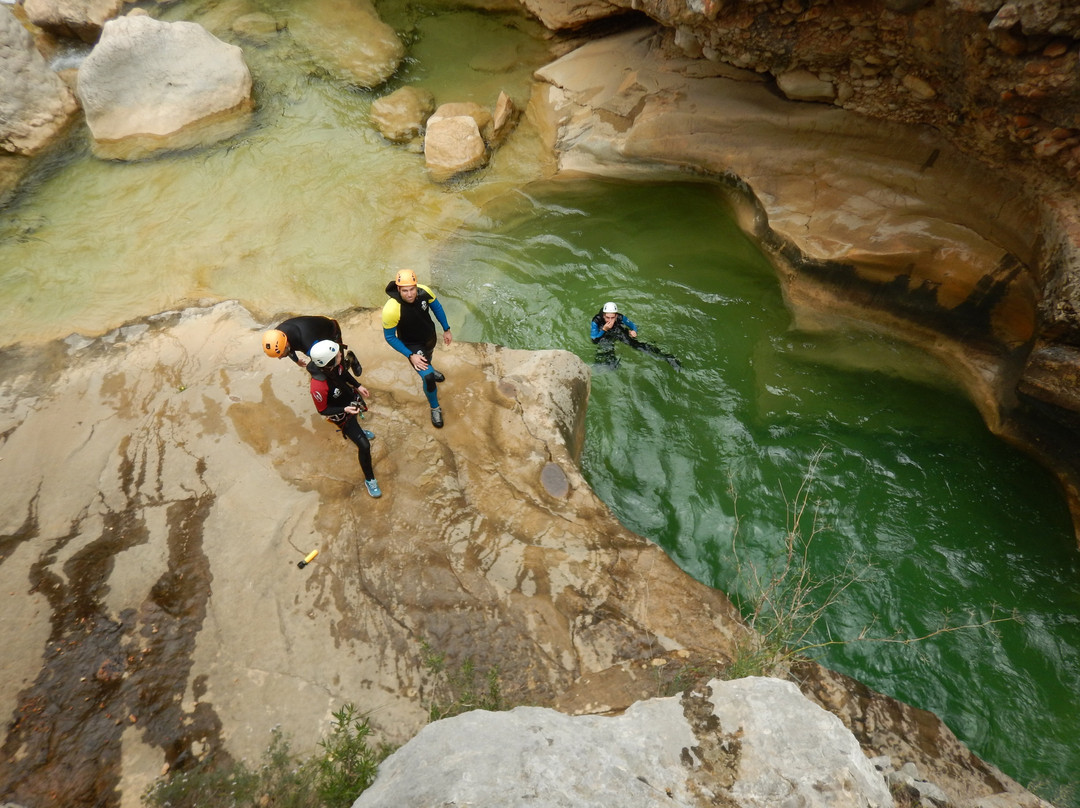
column 324, row 352
column 610, row 308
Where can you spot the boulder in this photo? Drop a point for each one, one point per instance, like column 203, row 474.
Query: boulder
column 150, row 85
column 452, row 146
column 400, row 116
column 561, row 15
column 347, row 38
column 35, row 104
column 479, row 113
column 75, row 19
column 802, row 85
column 751, row 743
column 257, row 26
column 505, row 118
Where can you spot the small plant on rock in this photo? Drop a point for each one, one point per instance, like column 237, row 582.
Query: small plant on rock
column 461, row 690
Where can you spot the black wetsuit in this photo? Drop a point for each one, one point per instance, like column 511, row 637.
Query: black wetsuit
column 332, row 390
column 303, row 332
column 605, row 341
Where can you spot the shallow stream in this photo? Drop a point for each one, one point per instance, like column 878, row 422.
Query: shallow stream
column 310, row 210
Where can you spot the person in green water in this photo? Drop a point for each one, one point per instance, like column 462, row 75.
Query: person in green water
column 609, row 326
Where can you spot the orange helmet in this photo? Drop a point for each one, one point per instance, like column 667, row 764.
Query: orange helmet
column 275, row 343
column 405, row 277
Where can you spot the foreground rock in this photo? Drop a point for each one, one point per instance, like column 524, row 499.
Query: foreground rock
column 751, row 742
column 159, row 485
column 150, row 85
column 877, row 225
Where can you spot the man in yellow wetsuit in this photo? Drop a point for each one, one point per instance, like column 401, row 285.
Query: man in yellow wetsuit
column 409, row 330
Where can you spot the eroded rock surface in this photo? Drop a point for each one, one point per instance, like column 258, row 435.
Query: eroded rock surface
column 159, row 485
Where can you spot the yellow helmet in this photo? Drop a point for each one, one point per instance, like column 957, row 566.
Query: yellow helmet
column 275, row 343
column 405, row 277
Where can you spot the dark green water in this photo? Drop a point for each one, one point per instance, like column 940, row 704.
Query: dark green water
column 946, row 523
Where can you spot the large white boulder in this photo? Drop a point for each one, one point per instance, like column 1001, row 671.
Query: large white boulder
column 753, row 743
column 149, row 84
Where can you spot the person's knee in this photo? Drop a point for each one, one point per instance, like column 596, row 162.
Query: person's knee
column 429, row 382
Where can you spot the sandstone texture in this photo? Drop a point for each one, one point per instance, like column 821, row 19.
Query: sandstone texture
column 149, row 85
column 160, row 486
column 35, row 104
column 717, row 745
column 997, row 77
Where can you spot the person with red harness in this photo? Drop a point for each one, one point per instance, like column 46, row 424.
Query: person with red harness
column 339, row 397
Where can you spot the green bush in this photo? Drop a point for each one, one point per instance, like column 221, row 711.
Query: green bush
column 333, row 778
column 458, row 691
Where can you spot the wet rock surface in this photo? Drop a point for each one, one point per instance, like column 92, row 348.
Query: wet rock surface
column 160, row 484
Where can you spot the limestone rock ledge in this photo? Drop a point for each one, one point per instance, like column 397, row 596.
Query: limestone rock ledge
column 159, row 484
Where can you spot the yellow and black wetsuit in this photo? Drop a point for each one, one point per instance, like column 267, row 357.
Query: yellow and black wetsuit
column 409, row 329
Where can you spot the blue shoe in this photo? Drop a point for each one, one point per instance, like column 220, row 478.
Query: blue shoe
column 373, row 488
column 369, row 434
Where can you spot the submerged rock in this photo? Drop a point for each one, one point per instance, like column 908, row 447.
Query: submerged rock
column 347, row 38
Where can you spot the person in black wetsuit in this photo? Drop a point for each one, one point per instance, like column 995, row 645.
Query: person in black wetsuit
column 608, row 325
column 298, row 334
column 409, row 330
column 339, row 397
